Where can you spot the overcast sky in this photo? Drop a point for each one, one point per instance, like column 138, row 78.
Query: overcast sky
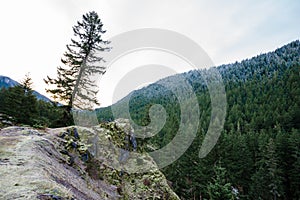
column 34, row 32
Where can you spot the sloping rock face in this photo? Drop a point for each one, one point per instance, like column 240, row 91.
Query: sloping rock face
column 101, row 162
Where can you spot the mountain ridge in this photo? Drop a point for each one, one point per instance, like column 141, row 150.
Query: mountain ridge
column 223, row 68
column 269, row 63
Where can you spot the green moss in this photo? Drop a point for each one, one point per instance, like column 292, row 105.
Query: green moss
column 103, row 144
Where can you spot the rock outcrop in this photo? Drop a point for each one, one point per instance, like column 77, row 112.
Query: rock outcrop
column 101, row 162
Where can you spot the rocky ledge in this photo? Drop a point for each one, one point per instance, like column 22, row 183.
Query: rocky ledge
column 101, row 162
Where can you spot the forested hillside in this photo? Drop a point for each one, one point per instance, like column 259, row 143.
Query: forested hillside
column 258, row 153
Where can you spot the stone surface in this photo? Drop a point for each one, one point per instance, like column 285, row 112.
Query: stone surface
column 77, row 163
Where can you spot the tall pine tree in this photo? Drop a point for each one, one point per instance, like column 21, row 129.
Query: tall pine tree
column 20, row 103
column 80, row 63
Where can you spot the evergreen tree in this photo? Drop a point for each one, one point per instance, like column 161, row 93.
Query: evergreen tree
column 49, row 114
column 80, row 61
column 267, row 181
column 294, row 175
column 286, row 160
column 220, row 188
column 20, row 103
column 2, row 97
column 29, row 103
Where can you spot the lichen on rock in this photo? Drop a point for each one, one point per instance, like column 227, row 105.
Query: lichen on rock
column 137, row 176
column 78, row 163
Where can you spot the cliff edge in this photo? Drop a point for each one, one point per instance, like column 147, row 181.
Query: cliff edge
column 77, row 163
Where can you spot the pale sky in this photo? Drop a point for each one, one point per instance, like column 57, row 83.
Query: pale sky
column 34, row 32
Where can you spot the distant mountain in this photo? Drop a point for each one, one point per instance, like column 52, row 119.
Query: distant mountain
column 7, row 82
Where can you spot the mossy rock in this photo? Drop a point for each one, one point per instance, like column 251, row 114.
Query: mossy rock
column 105, row 144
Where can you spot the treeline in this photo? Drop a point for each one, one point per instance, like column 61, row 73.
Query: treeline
column 258, row 153
column 19, row 106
